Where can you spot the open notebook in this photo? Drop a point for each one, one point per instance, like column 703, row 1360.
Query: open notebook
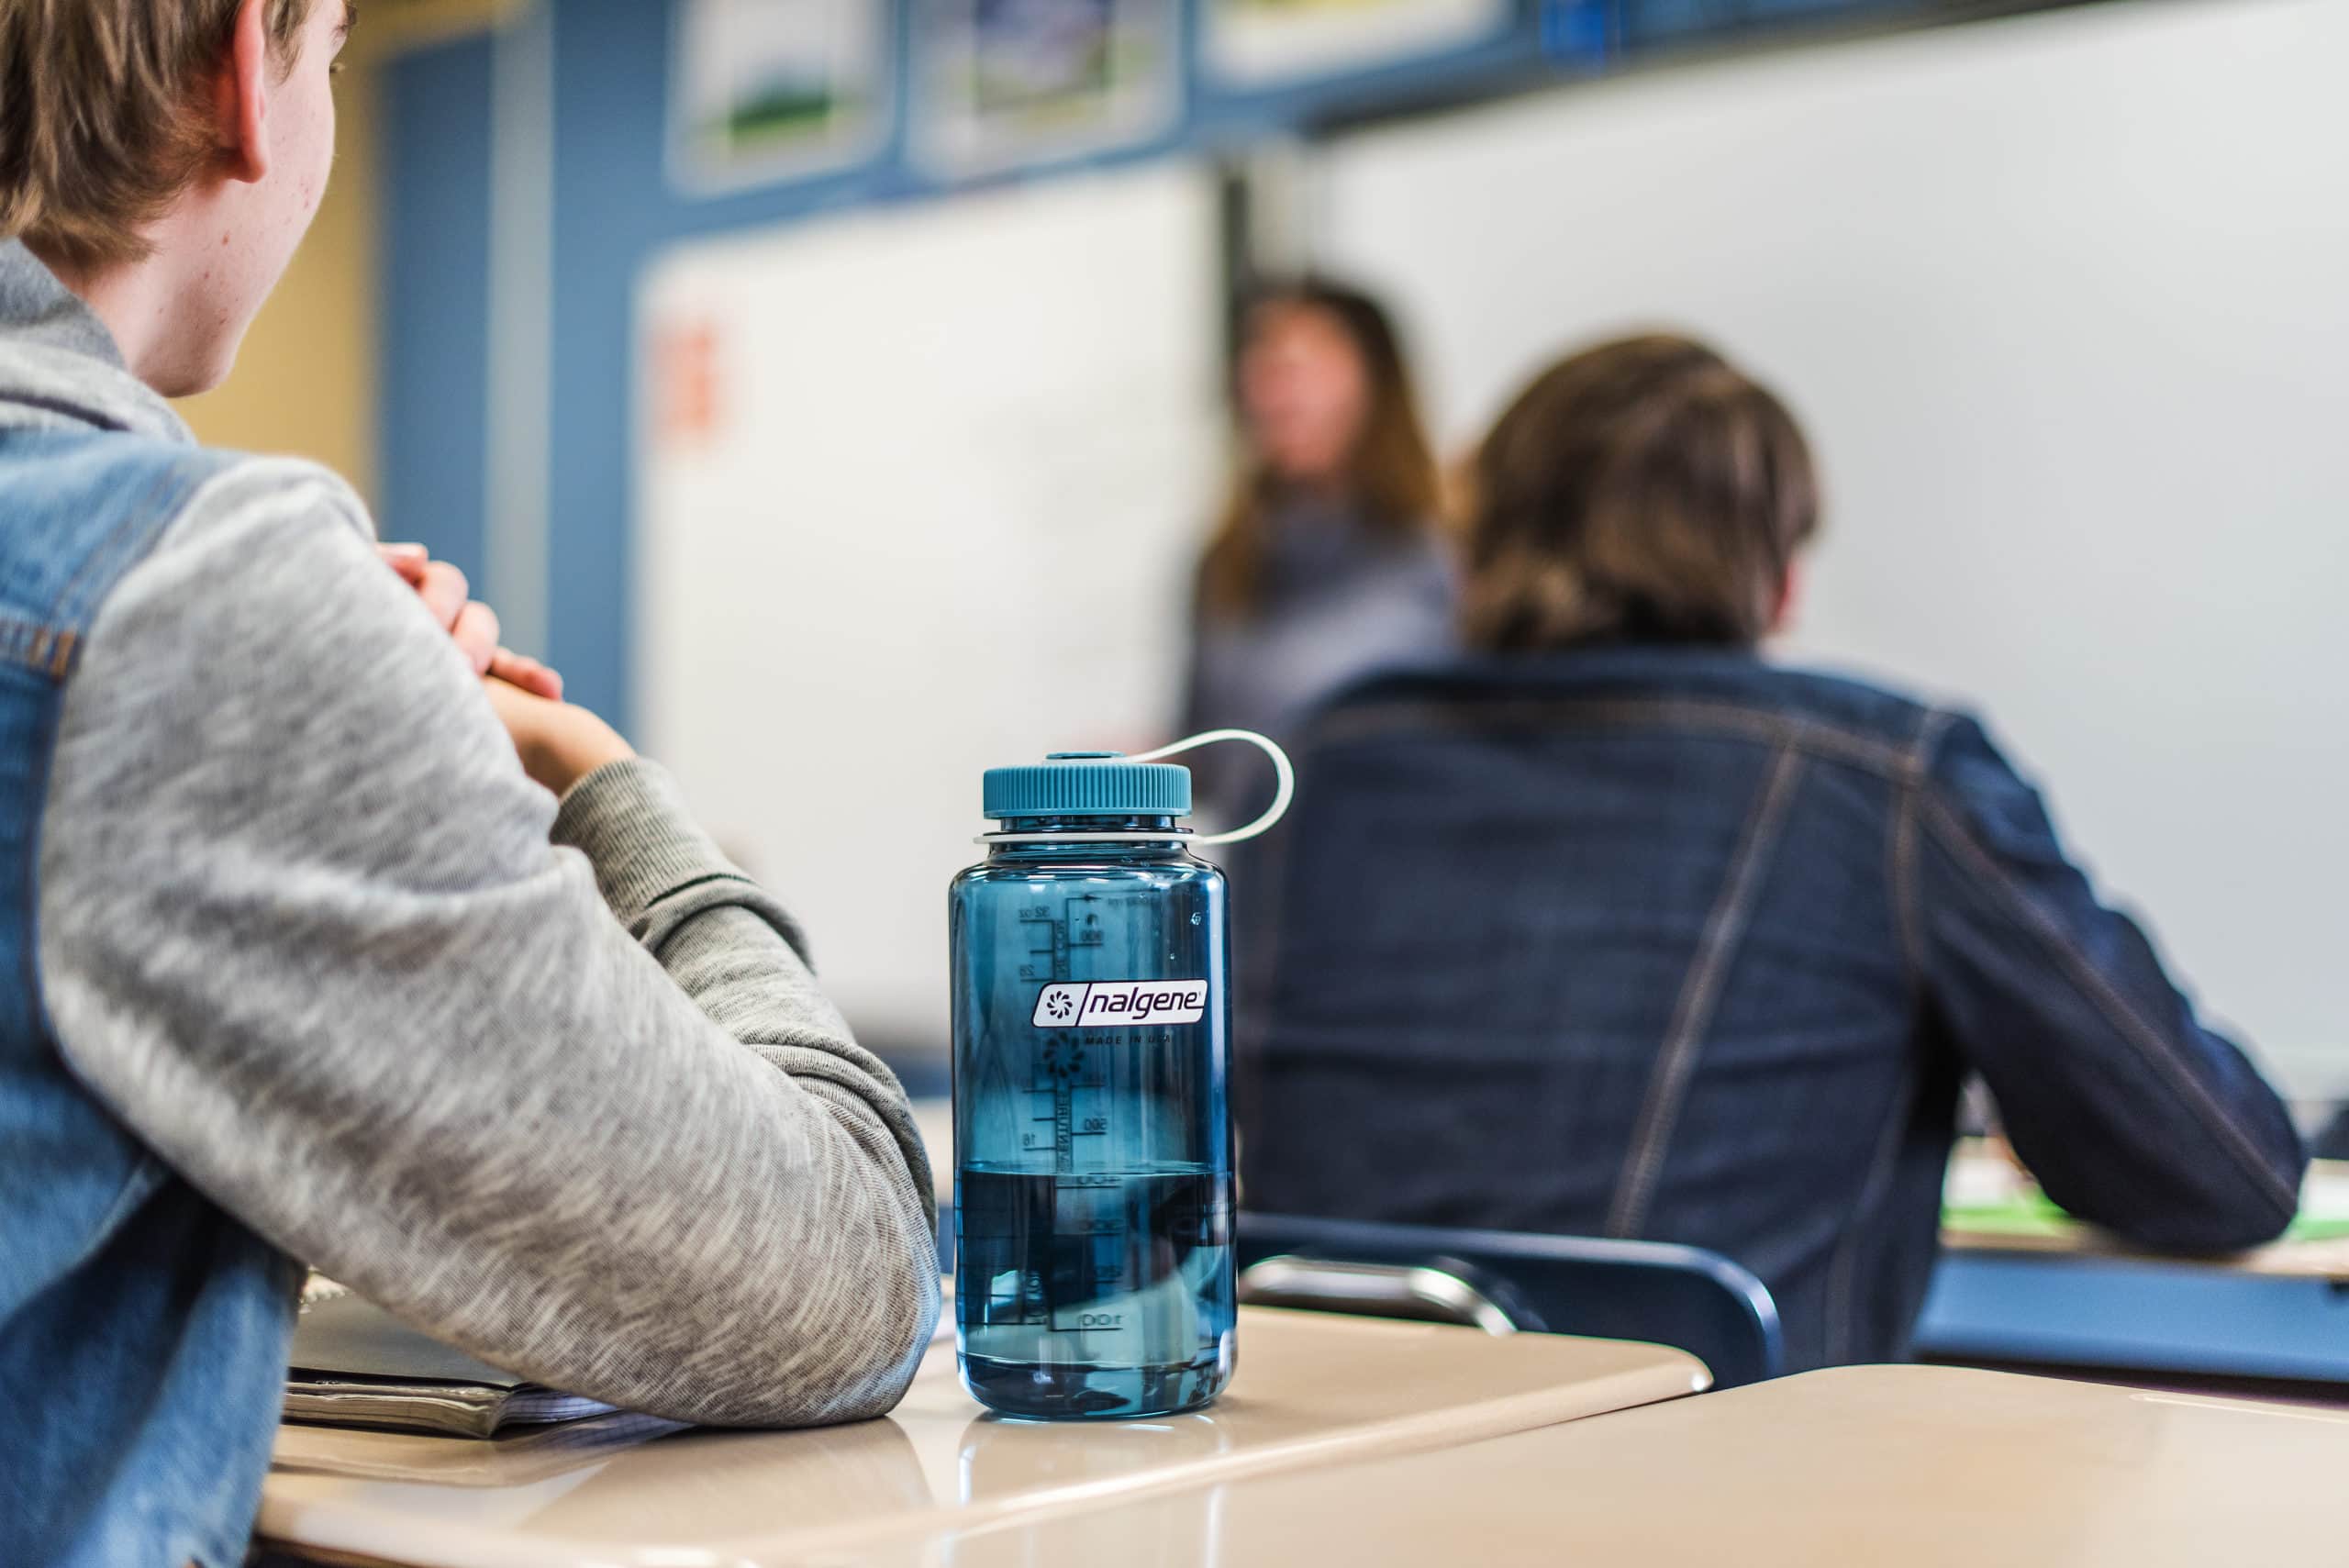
column 353, row 1364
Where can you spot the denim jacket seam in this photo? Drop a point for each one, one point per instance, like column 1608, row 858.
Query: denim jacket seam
column 2115, row 1009
column 50, row 645
column 138, row 526
column 1692, row 1012
column 37, row 646
column 1841, row 1307
column 53, row 647
column 1909, row 790
column 1826, row 742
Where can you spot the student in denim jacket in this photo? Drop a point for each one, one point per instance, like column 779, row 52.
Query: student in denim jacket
column 1611, row 928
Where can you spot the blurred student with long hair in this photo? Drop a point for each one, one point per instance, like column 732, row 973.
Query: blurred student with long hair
column 1613, row 927
column 1327, row 564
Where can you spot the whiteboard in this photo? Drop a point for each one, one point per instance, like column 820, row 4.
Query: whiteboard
column 919, row 494
column 2064, row 302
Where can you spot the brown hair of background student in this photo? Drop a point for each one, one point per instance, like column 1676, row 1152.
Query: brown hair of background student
column 1387, row 472
column 1642, row 490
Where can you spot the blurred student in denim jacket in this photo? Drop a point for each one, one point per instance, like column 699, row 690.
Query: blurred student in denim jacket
column 1611, row 928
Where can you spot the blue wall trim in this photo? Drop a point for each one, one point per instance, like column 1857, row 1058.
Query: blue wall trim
column 434, row 366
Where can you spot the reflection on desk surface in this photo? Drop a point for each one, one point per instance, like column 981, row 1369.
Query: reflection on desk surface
column 1312, row 1388
column 520, row 1458
column 1991, row 1204
column 1857, row 1465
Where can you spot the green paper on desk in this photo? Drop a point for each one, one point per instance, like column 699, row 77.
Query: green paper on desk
column 2032, row 1214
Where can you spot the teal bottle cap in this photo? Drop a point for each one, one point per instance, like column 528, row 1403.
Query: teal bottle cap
column 1088, row 783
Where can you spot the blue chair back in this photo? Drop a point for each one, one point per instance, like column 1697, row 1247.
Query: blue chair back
column 1654, row 1291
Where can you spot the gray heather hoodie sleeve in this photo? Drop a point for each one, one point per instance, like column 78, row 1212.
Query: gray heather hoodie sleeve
column 556, row 1086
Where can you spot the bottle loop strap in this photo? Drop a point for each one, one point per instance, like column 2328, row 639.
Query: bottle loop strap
column 1284, row 775
column 1285, row 790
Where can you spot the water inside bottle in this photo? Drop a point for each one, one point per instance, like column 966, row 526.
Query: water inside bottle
column 1096, row 1292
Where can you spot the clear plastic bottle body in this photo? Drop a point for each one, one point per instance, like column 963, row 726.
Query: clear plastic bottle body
column 1092, row 1162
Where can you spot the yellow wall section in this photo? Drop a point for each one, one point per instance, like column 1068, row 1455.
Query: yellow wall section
column 306, row 382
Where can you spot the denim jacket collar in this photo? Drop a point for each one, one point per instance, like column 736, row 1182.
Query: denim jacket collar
column 59, row 365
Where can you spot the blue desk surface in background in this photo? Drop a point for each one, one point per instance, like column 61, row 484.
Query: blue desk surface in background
column 2128, row 1314
column 2023, row 1284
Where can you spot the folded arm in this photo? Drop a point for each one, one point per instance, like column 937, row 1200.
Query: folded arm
column 577, row 1106
column 2130, row 1111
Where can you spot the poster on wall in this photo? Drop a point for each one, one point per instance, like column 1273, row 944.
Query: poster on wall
column 1259, row 43
column 763, row 91
column 1008, row 83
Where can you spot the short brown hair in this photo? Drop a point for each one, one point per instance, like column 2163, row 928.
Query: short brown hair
column 1645, row 489
column 99, row 122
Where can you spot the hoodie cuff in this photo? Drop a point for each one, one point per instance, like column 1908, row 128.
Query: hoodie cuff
column 630, row 819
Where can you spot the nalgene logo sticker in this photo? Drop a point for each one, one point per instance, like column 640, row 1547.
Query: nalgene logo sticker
column 1099, row 1004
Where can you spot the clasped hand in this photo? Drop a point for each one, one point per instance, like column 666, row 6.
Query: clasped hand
column 559, row 742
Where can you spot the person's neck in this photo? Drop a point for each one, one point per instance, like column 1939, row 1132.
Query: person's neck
column 144, row 305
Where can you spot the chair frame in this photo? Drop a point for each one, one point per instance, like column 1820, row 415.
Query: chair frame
column 1660, row 1292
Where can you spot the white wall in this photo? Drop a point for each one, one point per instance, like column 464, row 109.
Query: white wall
column 943, row 520
column 2065, row 302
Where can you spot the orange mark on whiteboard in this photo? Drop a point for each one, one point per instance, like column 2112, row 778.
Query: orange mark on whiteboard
column 687, row 383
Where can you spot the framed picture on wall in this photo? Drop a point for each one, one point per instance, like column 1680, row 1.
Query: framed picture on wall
column 1264, row 43
column 763, row 91
column 1008, row 83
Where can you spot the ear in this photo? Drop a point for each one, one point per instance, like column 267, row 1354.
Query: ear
column 240, row 94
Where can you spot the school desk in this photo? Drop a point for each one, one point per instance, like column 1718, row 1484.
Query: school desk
column 1312, row 1389
column 1859, row 1466
column 2021, row 1284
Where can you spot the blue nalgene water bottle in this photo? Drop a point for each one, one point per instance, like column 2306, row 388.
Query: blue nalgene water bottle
column 1093, row 1151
